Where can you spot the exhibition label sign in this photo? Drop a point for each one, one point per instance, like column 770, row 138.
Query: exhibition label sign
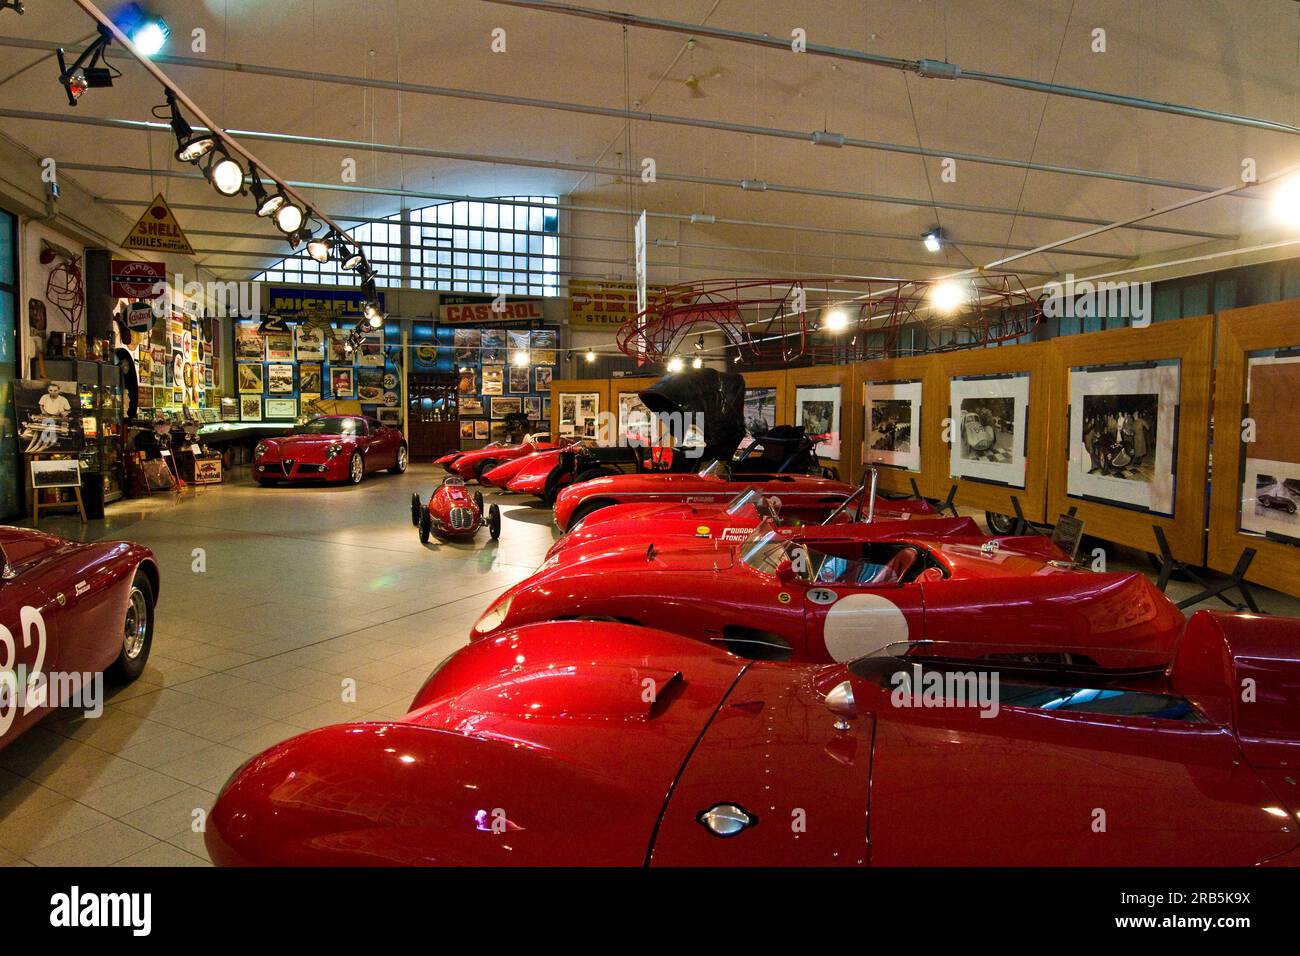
column 158, row 231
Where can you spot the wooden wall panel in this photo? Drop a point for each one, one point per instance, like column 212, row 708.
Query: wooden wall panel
column 1044, row 395
column 932, row 478
column 849, row 464
column 559, row 387
column 1192, row 342
column 1275, row 325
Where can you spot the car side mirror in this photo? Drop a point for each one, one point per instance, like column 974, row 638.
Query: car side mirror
column 840, row 702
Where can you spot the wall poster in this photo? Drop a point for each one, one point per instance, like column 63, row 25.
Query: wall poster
column 578, row 412
column 760, row 411
column 817, row 409
column 893, row 424
column 989, row 417
column 1124, row 435
column 1270, row 485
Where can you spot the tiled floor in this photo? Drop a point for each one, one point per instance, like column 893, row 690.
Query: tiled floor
column 303, row 589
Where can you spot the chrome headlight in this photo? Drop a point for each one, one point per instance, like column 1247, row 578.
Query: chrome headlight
column 261, row 449
column 333, row 450
column 494, row 616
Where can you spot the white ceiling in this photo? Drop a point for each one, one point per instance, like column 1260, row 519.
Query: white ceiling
column 1217, row 54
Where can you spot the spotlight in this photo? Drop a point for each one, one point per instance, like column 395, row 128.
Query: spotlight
column 699, row 343
column 698, row 363
column 675, row 364
column 947, row 296
column 85, row 72
column 376, row 318
column 147, row 31
column 1285, row 201
column 302, row 235
column 320, row 249
column 266, row 203
column 836, row 320
column 520, row 358
column 933, row 239
column 289, row 218
column 351, row 259
column 591, row 356
column 190, row 146
column 226, row 175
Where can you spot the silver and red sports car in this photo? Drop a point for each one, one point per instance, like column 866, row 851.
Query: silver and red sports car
column 331, row 448
column 68, row 613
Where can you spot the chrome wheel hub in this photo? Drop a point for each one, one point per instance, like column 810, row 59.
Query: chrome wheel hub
column 136, row 628
column 356, row 468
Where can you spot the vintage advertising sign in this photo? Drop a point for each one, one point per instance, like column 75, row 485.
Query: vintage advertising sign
column 603, row 305
column 132, row 279
column 158, row 231
column 308, row 300
column 485, row 310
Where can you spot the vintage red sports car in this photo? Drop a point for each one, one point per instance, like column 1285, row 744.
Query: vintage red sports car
column 804, row 497
column 598, row 744
column 330, row 448
column 501, row 475
column 531, row 474
column 452, row 513
column 837, row 592
column 473, row 464
column 68, row 612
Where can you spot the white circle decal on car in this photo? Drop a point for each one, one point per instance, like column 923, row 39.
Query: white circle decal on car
column 862, row 623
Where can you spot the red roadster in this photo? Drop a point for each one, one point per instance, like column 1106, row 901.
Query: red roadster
column 474, row 464
column 452, row 513
column 330, row 448
column 69, row 612
column 802, row 496
column 836, row 592
column 599, row 744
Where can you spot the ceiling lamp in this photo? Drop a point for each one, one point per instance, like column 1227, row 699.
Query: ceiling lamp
column 590, row 356
column 947, row 296
column 933, row 240
column 190, row 146
column 85, row 72
column 835, row 320
column 226, row 175
column 321, row 248
column 352, row 259
column 1285, row 201
column 698, row 363
column 265, row 203
column 147, row 32
column 675, row 364
column 289, row 218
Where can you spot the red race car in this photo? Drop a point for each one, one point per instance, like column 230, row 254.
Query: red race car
column 474, row 464
column 452, row 513
column 69, row 612
column 804, row 497
column 331, row 448
column 595, row 744
column 539, row 475
column 837, row 592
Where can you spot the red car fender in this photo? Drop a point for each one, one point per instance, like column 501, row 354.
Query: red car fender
column 534, row 470
column 499, row 477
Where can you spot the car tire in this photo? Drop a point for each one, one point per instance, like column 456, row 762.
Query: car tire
column 494, row 522
column 551, row 490
column 426, row 526
column 478, row 501
column 356, row 468
column 597, row 471
column 403, row 459
column 137, row 633
column 588, row 507
column 1000, row 525
column 483, row 467
column 416, row 511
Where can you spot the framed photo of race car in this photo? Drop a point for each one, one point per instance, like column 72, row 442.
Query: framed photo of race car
column 989, row 416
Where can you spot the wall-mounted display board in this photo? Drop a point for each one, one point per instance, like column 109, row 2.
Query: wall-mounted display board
column 818, row 398
column 634, row 419
column 1255, row 495
column 998, row 402
column 1134, row 420
column 903, row 404
column 576, row 405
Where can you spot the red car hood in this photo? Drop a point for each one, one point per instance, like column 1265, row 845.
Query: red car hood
column 305, row 447
column 22, row 545
column 533, row 471
column 599, row 720
column 499, row 477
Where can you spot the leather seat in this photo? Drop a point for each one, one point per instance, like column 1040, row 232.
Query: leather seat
column 898, row 566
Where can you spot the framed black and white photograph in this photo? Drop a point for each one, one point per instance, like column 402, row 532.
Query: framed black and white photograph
column 49, row 421
column 1270, row 487
column 893, row 424
column 279, row 379
column 389, row 415
column 1123, row 436
column 987, row 428
column 635, row 422
column 520, row 378
column 817, row 409
column 760, row 411
column 501, row 407
column 63, row 473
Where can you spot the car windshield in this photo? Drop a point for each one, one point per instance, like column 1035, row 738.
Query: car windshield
column 766, row 507
column 716, row 469
column 331, row 426
column 765, row 548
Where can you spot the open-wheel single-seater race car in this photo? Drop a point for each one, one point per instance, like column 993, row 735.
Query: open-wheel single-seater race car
column 68, row 612
column 475, row 464
column 331, row 448
column 595, row 744
column 451, row 512
column 836, row 592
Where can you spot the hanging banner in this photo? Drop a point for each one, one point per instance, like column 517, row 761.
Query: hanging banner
column 487, row 310
column 603, row 305
column 641, row 264
column 158, row 231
